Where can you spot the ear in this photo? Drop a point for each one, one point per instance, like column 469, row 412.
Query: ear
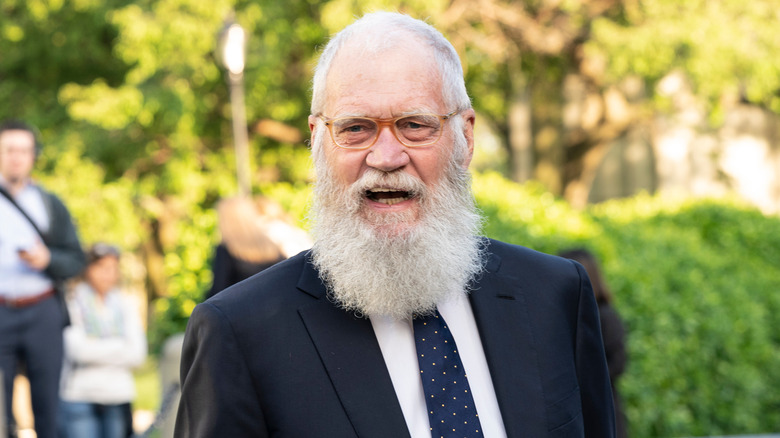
column 468, row 132
column 312, row 128
column 312, row 123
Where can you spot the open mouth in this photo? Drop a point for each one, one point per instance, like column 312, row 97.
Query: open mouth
column 388, row 196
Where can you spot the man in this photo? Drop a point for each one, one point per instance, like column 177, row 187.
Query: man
column 336, row 342
column 39, row 248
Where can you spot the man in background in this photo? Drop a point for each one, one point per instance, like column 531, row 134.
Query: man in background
column 350, row 339
column 39, row 249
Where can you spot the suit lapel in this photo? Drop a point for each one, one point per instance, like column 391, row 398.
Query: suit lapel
column 501, row 313
column 350, row 353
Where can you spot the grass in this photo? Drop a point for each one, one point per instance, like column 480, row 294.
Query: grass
column 147, row 385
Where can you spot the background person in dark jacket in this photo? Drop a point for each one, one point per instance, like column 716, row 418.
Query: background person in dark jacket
column 39, row 249
column 256, row 234
column 612, row 330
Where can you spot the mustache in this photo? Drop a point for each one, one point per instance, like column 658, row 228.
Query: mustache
column 396, row 180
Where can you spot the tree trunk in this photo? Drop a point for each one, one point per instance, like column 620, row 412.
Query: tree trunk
column 548, row 132
column 519, row 134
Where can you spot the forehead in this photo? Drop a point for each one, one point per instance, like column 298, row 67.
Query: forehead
column 16, row 138
column 394, row 81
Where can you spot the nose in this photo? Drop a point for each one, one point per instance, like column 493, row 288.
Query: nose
column 387, row 153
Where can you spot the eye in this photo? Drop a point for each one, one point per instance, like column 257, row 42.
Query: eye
column 418, row 122
column 353, row 126
column 411, row 124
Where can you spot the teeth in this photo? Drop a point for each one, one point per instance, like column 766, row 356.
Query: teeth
column 391, row 201
column 379, row 194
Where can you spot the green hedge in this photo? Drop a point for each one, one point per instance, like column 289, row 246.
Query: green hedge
column 698, row 284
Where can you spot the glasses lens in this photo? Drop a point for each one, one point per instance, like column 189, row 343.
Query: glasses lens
column 419, row 129
column 354, row 132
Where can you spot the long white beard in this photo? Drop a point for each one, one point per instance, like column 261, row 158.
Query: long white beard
column 396, row 264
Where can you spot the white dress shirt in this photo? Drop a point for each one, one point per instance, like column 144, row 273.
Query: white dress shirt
column 396, row 340
column 17, row 280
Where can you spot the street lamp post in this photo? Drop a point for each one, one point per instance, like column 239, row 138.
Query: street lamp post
column 232, row 45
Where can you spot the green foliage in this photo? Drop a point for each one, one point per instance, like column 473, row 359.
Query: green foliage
column 187, row 266
column 104, row 210
column 295, row 198
column 722, row 46
column 696, row 283
column 547, row 223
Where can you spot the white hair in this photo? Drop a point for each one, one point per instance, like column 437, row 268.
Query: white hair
column 379, row 31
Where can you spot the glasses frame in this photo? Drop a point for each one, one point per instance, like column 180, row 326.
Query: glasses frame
column 389, row 123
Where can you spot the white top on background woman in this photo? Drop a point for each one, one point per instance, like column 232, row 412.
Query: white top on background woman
column 103, row 344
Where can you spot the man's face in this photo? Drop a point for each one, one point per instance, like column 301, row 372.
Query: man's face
column 390, row 84
column 17, row 154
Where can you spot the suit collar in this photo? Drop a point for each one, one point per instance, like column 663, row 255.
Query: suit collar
column 309, row 281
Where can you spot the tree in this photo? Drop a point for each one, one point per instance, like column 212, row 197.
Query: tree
column 522, row 59
column 561, row 80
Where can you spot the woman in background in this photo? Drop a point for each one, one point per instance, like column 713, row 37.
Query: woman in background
column 612, row 330
column 256, row 234
column 104, row 342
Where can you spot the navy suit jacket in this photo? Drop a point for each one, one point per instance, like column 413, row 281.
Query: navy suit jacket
column 273, row 357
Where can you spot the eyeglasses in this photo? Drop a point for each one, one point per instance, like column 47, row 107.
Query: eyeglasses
column 362, row 132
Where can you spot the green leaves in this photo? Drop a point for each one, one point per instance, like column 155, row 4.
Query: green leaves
column 697, row 285
column 724, row 46
column 101, row 105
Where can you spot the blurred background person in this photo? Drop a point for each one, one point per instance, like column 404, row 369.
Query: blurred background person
column 103, row 344
column 256, row 234
column 612, row 329
column 39, row 249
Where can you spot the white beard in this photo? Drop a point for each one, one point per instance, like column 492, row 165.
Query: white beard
column 396, row 265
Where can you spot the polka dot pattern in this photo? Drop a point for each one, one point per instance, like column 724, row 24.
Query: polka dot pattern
column 451, row 408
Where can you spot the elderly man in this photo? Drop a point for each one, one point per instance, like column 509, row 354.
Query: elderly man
column 39, row 249
column 350, row 339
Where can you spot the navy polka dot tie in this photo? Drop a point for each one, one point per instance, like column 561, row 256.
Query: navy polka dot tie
column 451, row 409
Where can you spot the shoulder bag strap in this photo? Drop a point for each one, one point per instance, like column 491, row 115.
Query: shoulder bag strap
column 21, row 210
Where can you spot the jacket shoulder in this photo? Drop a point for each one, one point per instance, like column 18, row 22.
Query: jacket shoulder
column 55, row 207
column 502, row 256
